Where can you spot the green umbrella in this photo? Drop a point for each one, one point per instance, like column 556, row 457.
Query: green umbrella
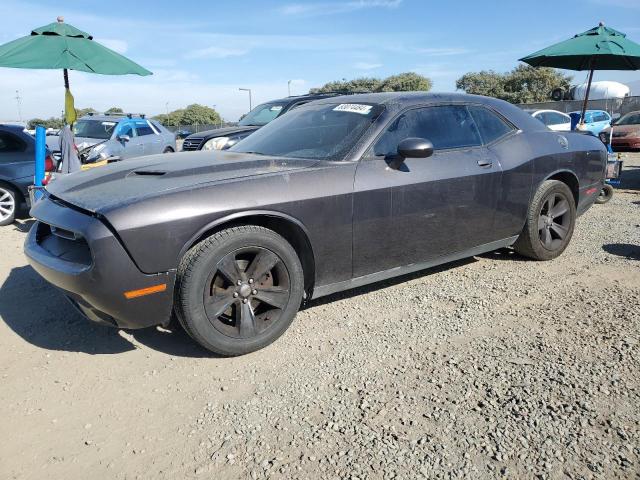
column 60, row 45
column 601, row 48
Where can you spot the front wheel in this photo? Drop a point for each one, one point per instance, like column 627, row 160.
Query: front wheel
column 239, row 290
column 168, row 150
column 550, row 222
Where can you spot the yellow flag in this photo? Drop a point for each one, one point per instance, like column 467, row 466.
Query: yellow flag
column 69, row 108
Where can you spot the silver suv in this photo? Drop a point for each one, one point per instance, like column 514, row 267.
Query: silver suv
column 126, row 136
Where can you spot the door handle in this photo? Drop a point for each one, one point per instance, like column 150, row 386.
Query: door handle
column 484, row 163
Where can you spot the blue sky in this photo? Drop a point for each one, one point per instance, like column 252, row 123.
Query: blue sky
column 201, row 52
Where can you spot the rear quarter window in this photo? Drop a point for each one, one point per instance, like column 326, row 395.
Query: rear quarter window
column 490, row 125
column 9, row 143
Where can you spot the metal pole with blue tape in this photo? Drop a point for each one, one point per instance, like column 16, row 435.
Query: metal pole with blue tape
column 41, row 151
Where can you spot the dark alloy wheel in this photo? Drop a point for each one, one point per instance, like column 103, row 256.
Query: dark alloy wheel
column 550, row 222
column 605, row 195
column 246, row 293
column 239, row 290
column 554, row 221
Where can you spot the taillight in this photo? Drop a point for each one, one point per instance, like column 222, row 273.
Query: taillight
column 49, row 166
column 46, row 179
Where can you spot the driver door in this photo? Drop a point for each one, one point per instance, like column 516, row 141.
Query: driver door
column 428, row 207
column 132, row 148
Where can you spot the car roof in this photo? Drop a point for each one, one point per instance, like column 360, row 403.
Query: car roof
column 396, row 101
column 532, row 111
column 111, row 118
column 10, row 126
column 591, row 111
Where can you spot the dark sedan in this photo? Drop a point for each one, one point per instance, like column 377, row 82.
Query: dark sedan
column 336, row 194
column 17, row 169
column 225, row 138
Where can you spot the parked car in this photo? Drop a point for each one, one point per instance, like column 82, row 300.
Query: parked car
column 224, row 138
column 17, row 169
column 626, row 133
column 336, row 194
column 119, row 135
column 552, row 118
column 183, row 133
column 594, row 120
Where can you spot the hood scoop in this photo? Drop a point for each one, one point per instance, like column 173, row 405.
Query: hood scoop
column 147, row 173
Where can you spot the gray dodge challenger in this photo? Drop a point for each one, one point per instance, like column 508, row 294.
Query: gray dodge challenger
column 338, row 193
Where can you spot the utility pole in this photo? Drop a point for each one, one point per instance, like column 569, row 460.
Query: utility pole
column 19, row 102
column 289, row 87
column 167, row 107
column 250, row 102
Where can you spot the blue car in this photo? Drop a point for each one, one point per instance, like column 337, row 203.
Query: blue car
column 594, row 120
column 17, row 168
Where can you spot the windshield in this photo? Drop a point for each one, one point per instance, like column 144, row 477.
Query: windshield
column 94, row 129
column 322, row 132
column 632, row 118
column 262, row 114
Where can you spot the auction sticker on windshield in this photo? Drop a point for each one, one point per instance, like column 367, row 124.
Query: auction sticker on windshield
column 353, row 108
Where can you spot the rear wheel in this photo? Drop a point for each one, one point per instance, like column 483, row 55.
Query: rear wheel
column 8, row 205
column 550, row 222
column 168, row 150
column 239, row 290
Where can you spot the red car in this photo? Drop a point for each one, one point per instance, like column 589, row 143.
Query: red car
column 626, row 133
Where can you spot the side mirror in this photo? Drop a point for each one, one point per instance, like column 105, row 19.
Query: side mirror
column 124, row 138
column 415, row 148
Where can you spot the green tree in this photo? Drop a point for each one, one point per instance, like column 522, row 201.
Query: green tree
column 81, row 112
column 405, row 82
column 48, row 123
column 114, row 110
column 402, row 82
column 194, row 114
column 523, row 84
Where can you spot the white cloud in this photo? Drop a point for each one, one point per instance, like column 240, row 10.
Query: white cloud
column 330, row 8
column 217, row 52
column 367, row 65
column 119, row 46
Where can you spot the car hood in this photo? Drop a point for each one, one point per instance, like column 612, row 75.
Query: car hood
column 223, row 132
column 122, row 183
column 623, row 128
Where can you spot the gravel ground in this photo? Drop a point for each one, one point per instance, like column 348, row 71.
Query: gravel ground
column 487, row 368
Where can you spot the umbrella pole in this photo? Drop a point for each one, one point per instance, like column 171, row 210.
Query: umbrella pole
column 66, row 78
column 586, row 97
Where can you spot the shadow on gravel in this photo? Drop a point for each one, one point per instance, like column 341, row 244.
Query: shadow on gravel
column 623, row 250
column 40, row 314
column 505, row 254
column 386, row 283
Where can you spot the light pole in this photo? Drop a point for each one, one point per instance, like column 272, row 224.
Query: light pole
column 167, row 107
column 248, row 90
column 289, row 87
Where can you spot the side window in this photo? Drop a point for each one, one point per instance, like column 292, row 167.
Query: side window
column 600, row 117
column 446, row 127
column 126, row 129
column 156, row 127
column 556, row 119
column 490, row 125
column 588, row 117
column 10, row 143
column 143, row 128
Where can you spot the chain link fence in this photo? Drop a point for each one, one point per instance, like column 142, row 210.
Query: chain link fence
column 615, row 106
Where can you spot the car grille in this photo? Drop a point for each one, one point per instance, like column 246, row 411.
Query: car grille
column 191, row 144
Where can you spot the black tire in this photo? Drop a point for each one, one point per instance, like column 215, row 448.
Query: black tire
column 605, row 195
column 10, row 201
column 545, row 236
column 228, row 318
column 168, row 150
